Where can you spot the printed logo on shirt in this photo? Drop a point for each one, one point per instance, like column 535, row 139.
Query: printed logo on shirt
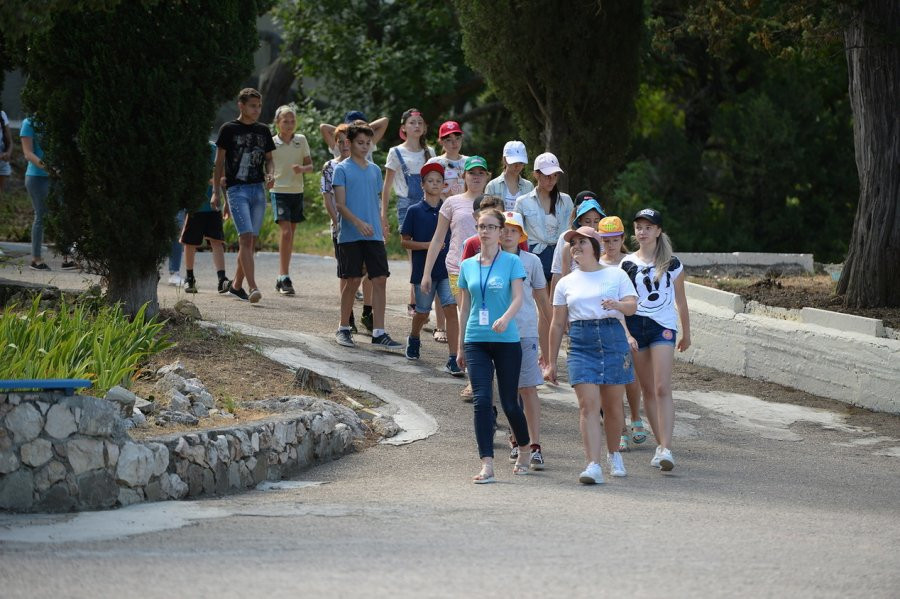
column 496, row 282
column 653, row 295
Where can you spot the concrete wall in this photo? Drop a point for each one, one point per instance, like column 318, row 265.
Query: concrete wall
column 833, row 355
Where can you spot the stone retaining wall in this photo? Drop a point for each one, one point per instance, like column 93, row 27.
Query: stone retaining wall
column 60, row 453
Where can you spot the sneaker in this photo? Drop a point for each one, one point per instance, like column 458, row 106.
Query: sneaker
column 224, row 284
column 453, row 368
column 284, row 286
column 592, row 475
column 238, row 293
column 412, row 347
column 359, row 296
column 368, row 321
column 615, row 463
column 190, row 286
column 384, row 340
column 254, row 296
column 353, row 328
column 175, row 280
column 344, row 338
column 514, row 454
column 41, row 266
column 666, row 461
column 654, row 461
column 537, row 458
column 69, row 265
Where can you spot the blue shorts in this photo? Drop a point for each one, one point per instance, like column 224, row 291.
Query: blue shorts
column 287, row 206
column 247, row 203
column 647, row 332
column 599, row 353
column 5, row 169
column 441, row 289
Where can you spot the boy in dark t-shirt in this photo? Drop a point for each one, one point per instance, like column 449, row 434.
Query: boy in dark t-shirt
column 244, row 156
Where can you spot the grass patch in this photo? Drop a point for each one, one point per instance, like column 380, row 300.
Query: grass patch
column 75, row 341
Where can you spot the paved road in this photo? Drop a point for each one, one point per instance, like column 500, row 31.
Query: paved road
column 767, row 499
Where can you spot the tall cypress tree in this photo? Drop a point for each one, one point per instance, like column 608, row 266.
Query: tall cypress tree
column 125, row 97
column 568, row 72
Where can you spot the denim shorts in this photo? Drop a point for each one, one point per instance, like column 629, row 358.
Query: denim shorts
column 403, row 205
column 530, row 374
column 5, row 169
column 247, row 203
column 647, row 332
column 441, row 289
column 599, row 353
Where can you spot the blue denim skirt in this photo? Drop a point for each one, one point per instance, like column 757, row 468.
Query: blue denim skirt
column 599, row 353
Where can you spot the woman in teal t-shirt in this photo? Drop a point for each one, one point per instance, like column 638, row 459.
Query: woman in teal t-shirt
column 490, row 286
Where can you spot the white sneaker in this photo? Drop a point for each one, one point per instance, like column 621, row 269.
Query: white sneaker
column 176, row 280
column 655, row 460
column 592, row 475
column 666, row 461
column 615, row 463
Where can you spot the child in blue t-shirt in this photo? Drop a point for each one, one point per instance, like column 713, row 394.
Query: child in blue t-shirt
column 417, row 229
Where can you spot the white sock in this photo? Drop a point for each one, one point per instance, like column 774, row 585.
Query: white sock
column 378, row 332
column 344, row 328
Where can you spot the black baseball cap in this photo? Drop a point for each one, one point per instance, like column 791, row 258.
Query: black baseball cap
column 585, row 195
column 649, row 214
column 354, row 115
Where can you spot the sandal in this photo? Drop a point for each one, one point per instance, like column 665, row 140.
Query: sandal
column 467, row 394
column 483, row 478
column 520, row 469
column 623, row 442
column 440, row 335
column 638, row 433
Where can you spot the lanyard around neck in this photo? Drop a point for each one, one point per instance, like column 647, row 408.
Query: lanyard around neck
column 483, row 283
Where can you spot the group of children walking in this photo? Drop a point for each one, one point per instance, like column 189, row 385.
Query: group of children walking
column 510, row 266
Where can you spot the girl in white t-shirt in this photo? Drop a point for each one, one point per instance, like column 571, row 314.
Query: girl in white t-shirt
column 658, row 277
column 401, row 175
column 592, row 300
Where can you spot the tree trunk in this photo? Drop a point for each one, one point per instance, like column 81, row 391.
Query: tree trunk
column 275, row 83
column 135, row 291
column 871, row 274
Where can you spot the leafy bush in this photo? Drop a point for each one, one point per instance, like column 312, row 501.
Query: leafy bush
column 72, row 342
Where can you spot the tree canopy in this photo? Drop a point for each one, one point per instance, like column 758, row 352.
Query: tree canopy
column 568, row 72
column 125, row 97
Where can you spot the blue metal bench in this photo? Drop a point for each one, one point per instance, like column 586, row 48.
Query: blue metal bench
column 67, row 386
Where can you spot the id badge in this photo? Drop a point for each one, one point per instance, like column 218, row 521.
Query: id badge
column 484, row 318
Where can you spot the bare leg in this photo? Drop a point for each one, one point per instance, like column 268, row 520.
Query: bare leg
column 532, row 405
column 378, row 301
column 663, row 356
column 452, row 327
column 285, row 245
column 643, row 370
column 245, row 258
column 418, row 322
column 589, row 412
column 238, row 281
column 367, row 291
column 348, row 296
column 440, row 321
column 633, row 393
column 611, row 397
column 190, row 252
column 218, row 252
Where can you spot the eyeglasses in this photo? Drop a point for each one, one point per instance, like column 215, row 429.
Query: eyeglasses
column 491, row 228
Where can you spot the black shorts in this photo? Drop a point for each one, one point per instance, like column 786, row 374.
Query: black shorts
column 354, row 255
column 198, row 225
column 287, row 206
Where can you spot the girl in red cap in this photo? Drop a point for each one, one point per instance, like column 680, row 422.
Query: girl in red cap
column 450, row 137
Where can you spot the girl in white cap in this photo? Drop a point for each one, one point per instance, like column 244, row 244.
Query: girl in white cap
column 510, row 184
column 546, row 211
column 592, row 300
column 534, row 301
column 658, row 277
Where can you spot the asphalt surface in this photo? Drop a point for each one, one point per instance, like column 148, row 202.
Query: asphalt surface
column 767, row 499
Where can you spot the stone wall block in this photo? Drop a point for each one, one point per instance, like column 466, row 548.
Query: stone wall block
column 122, row 399
column 209, row 482
column 24, row 422
column 221, row 477
column 254, row 441
column 172, row 486
column 135, row 465
column 53, row 472
column 5, row 439
column 246, row 476
column 222, row 448
column 97, row 489
column 259, row 470
column 112, row 454
column 160, row 458
column 153, row 491
column 195, row 480
column 98, row 417
column 57, row 499
column 17, row 490
column 234, row 475
column 42, row 406
column 60, row 422
column 8, row 461
column 129, row 496
column 36, row 453
column 85, row 454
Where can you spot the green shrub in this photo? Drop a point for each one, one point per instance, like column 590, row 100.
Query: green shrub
column 72, row 342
